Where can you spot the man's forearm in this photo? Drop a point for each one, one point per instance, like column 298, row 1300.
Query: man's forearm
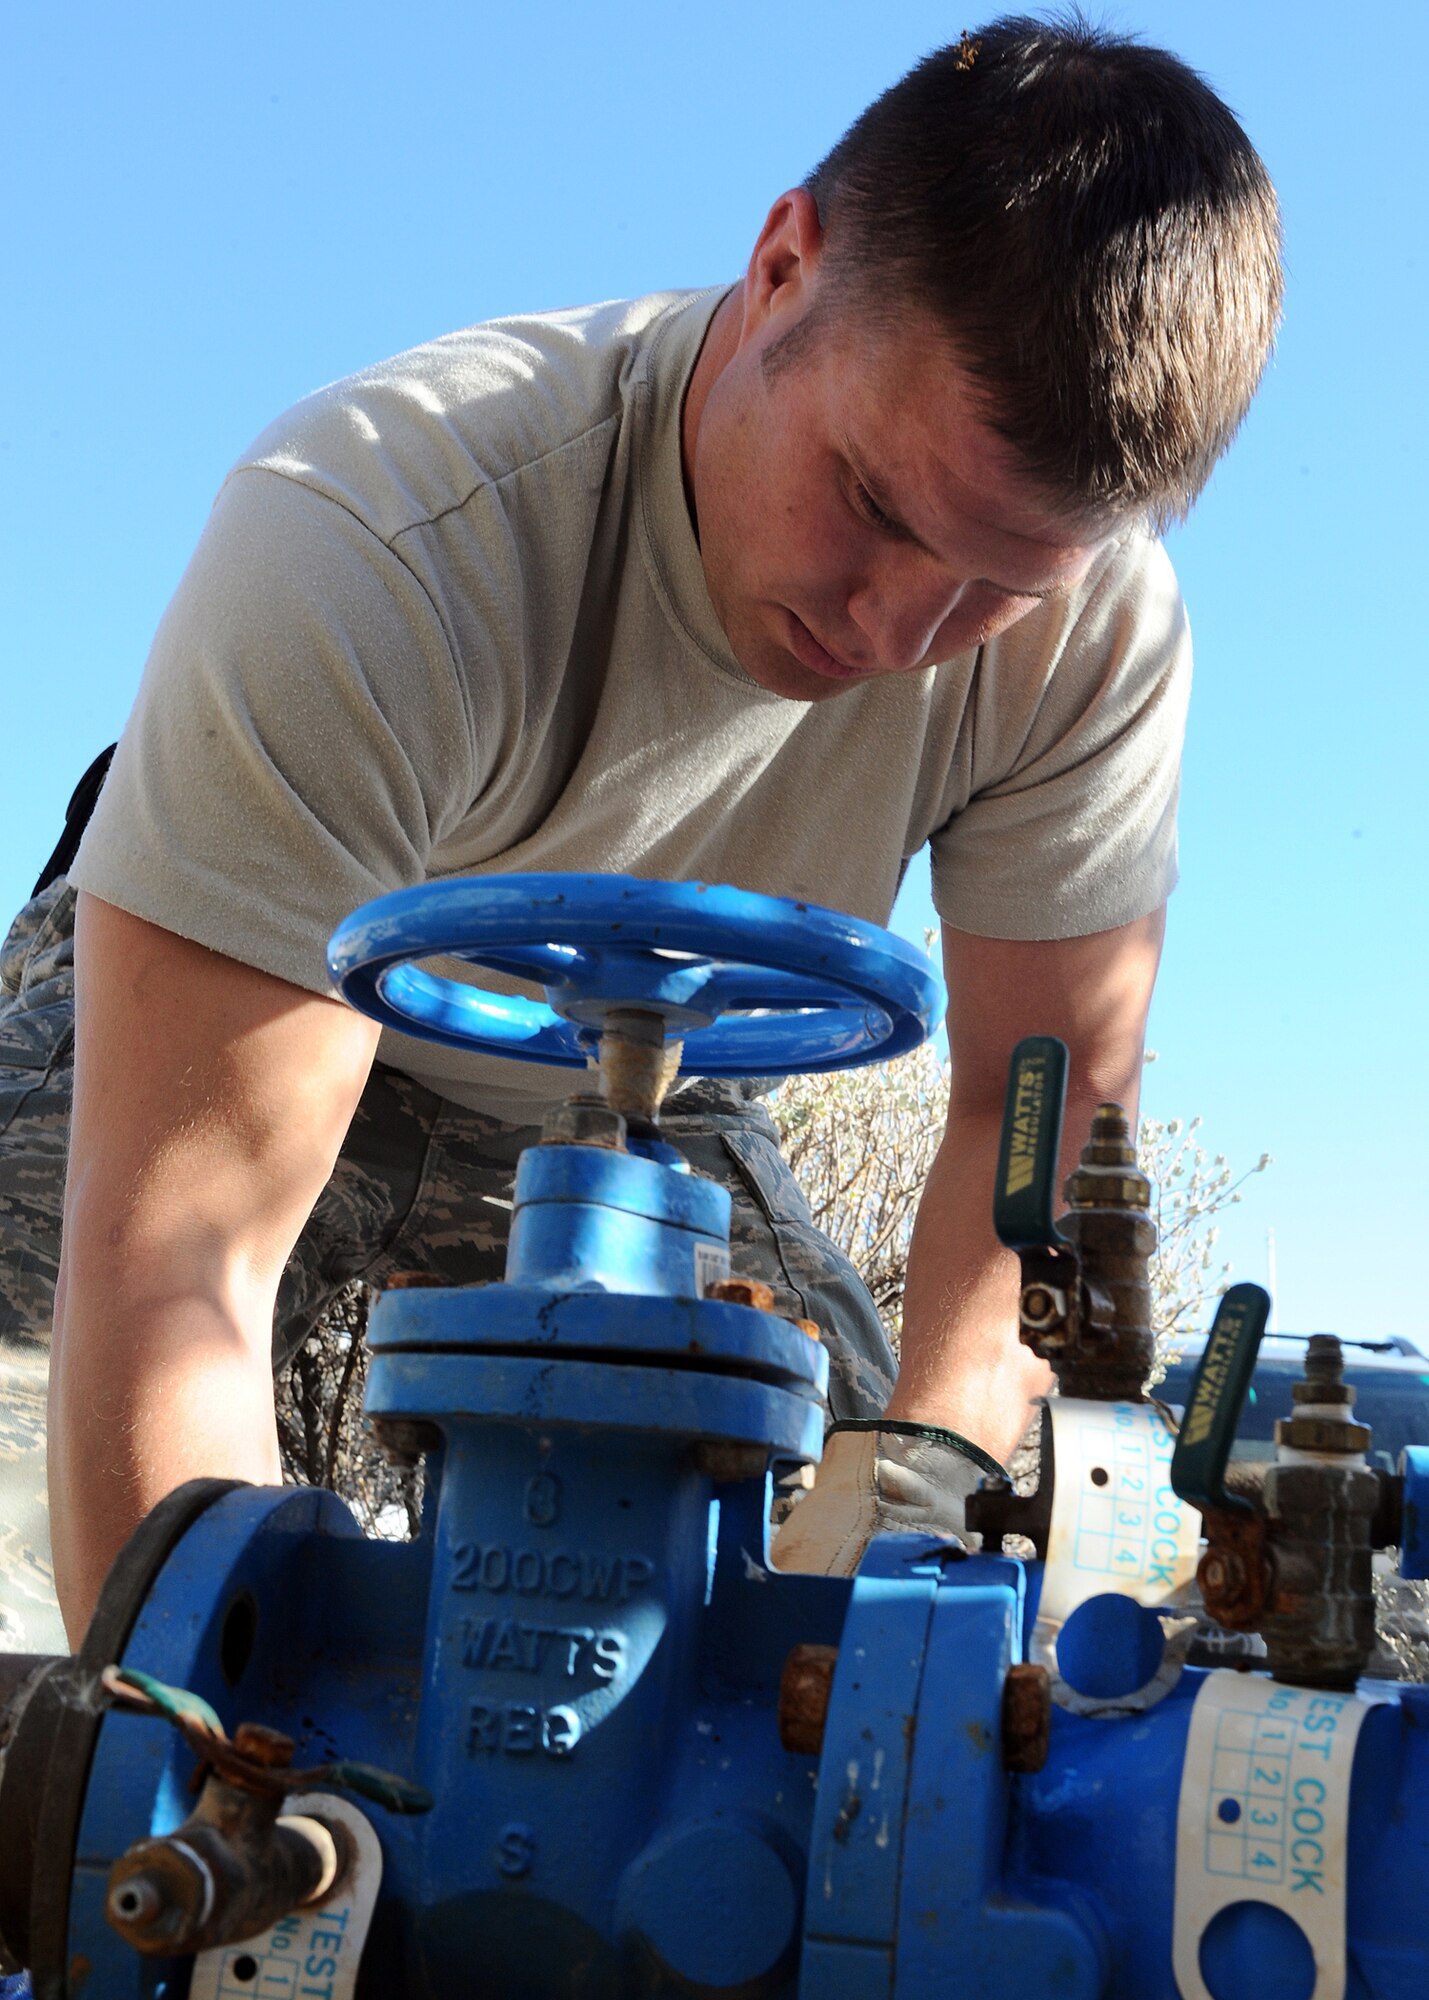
column 149, row 1387
column 210, row 1103
column 962, row 1364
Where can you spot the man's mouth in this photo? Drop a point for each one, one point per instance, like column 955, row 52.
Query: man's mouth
column 809, row 652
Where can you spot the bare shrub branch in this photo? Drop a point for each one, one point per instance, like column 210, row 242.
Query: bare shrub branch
column 321, row 1433
column 861, row 1143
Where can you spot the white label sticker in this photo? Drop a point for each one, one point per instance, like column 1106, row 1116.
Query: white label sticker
column 1117, row 1525
column 711, row 1264
column 1263, row 1818
column 315, row 1951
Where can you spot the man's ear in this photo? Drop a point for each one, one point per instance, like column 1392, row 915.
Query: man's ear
column 779, row 281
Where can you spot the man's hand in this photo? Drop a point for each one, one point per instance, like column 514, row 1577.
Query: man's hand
column 878, row 1480
column 962, row 1363
column 210, row 1104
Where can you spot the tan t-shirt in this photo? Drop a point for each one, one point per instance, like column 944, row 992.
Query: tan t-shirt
column 448, row 618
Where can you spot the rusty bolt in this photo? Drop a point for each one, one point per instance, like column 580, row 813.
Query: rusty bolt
column 1026, row 1717
column 742, row 1292
column 413, row 1281
column 584, row 1121
column 1043, row 1306
column 804, row 1690
column 807, row 1326
column 725, row 1460
column 404, row 1439
column 1221, row 1574
column 1235, row 1571
column 1228, row 1587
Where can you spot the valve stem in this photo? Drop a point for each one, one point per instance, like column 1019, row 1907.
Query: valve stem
column 637, row 1063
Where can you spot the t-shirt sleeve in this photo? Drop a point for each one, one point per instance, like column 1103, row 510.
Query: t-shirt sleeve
column 300, row 742
column 1077, row 724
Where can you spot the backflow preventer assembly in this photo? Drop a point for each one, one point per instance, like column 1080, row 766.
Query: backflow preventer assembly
column 579, row 1738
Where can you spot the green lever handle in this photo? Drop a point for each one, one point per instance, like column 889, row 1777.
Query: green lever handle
column 1022, row 1203
column 1213, row 1407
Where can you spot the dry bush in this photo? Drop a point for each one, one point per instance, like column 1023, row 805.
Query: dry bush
column 321, row 1433
column 1190, row 1188
column 861, row 1143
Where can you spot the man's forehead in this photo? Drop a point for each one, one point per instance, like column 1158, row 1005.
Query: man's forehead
column 918, row 431
column 943, row 492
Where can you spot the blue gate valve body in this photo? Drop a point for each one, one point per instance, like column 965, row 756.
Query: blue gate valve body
column 580, row 1656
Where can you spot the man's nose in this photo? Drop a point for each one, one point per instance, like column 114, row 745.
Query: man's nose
column 901, row 618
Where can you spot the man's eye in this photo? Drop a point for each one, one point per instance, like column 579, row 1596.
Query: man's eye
column 870, row 508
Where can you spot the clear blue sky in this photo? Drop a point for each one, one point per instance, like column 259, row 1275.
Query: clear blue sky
column 210, row 212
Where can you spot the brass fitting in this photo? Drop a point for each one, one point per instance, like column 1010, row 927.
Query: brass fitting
column 1330, row 1435
column 1107, row 1175
column 1096, row 1329
column 1320, row 1420
column 234, row 1867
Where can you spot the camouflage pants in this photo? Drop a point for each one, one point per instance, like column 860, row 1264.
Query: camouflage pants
column 422, row 1185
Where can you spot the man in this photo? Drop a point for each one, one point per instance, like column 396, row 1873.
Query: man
column 768, row 585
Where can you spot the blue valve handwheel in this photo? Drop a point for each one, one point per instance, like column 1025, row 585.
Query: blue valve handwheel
column 801, row 988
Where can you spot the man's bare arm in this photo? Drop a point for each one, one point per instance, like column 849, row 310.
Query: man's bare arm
column 963, row 1365
column 210, row 1103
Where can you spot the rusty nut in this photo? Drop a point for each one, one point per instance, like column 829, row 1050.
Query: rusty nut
column 725, row 1460
column 1232, row 1589
column 1221, row 1574
column 584, row 1121
column 404, row 1439
column 804, row 1689
column 1026, row 1717
column 742, row 1292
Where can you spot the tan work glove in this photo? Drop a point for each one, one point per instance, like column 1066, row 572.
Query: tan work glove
column 879, row 1478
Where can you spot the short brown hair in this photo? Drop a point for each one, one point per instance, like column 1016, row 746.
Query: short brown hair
column 1094, row 230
